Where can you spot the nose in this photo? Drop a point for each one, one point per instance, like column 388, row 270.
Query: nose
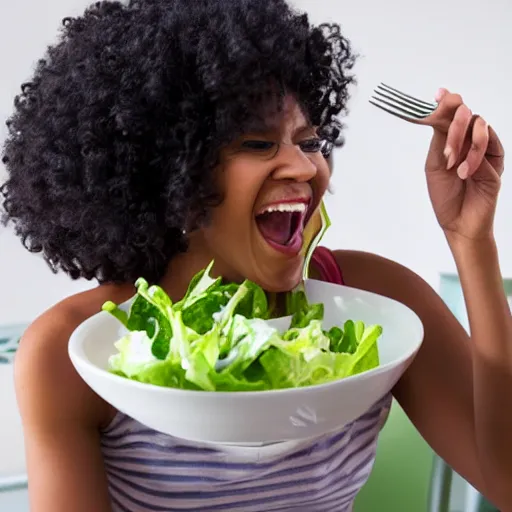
column 293, row 164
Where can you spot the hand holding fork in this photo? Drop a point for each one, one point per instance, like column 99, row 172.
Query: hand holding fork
column 464, row 163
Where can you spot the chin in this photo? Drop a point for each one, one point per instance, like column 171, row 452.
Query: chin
column 283, row 280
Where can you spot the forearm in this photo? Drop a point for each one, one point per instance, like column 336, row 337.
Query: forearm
column 490, row 324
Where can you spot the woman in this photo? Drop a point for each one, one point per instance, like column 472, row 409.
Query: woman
column 159, row 135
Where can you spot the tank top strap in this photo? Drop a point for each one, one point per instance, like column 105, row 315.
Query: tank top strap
column 325, row 262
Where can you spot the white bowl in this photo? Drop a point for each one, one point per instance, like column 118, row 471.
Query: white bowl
column 261, row 416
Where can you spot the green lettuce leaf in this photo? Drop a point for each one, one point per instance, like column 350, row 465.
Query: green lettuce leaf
column 149, row 312
column 217, row 338
column 302, row 312
column 306, row 359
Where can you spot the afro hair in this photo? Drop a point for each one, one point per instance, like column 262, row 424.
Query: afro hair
column 113, row 141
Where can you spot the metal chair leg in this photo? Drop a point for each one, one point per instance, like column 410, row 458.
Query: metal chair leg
column 440, row 487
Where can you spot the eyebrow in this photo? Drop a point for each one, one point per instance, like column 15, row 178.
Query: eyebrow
column 303, row 128
column 264, row 126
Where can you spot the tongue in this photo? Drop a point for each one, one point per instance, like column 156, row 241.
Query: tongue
column 276, row 226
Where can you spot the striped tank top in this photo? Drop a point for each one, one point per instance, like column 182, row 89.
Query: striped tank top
column 150, row 471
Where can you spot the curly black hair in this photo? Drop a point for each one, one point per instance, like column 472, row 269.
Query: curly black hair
column 113, row 142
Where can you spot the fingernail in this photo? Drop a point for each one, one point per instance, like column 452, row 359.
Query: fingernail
column 463, row 170
column 439, row 94
column 450, row 159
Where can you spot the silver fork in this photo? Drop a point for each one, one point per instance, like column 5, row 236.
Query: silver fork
column 401, row 105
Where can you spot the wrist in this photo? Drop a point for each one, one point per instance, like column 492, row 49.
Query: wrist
column 461, row 245
column 475, row 258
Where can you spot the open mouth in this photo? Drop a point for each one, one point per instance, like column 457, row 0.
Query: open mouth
column 282, row 225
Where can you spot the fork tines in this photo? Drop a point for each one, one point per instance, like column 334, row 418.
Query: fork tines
column 399, row 104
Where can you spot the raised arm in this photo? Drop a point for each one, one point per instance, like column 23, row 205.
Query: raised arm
column 458, row 390
column 463, row 168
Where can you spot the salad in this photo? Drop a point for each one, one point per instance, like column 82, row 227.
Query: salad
column 218, row 338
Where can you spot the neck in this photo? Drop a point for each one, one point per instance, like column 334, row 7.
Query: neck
column 183, row 267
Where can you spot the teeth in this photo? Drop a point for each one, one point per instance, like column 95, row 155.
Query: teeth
column 286, row 207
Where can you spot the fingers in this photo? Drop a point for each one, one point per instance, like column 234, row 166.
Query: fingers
column 469, row 139
column 448, row 104
column 440, row 94
column 456, row 135
column 477, row 149
column 495, row 152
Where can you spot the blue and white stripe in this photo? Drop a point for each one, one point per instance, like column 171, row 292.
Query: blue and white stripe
column 150, row 471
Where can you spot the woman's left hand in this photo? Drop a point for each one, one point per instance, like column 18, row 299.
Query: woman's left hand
column 464, row 167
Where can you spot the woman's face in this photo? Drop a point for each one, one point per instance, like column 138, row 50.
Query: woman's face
column 272, row 181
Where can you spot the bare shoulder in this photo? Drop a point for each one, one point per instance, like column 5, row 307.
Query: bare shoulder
column 46, row 381
column 377, row 274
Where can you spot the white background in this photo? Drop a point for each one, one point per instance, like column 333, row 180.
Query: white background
column 380, row 202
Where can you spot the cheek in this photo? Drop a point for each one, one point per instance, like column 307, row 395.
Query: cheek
column 228, row 217
column 241, row 181
column 239, row 185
